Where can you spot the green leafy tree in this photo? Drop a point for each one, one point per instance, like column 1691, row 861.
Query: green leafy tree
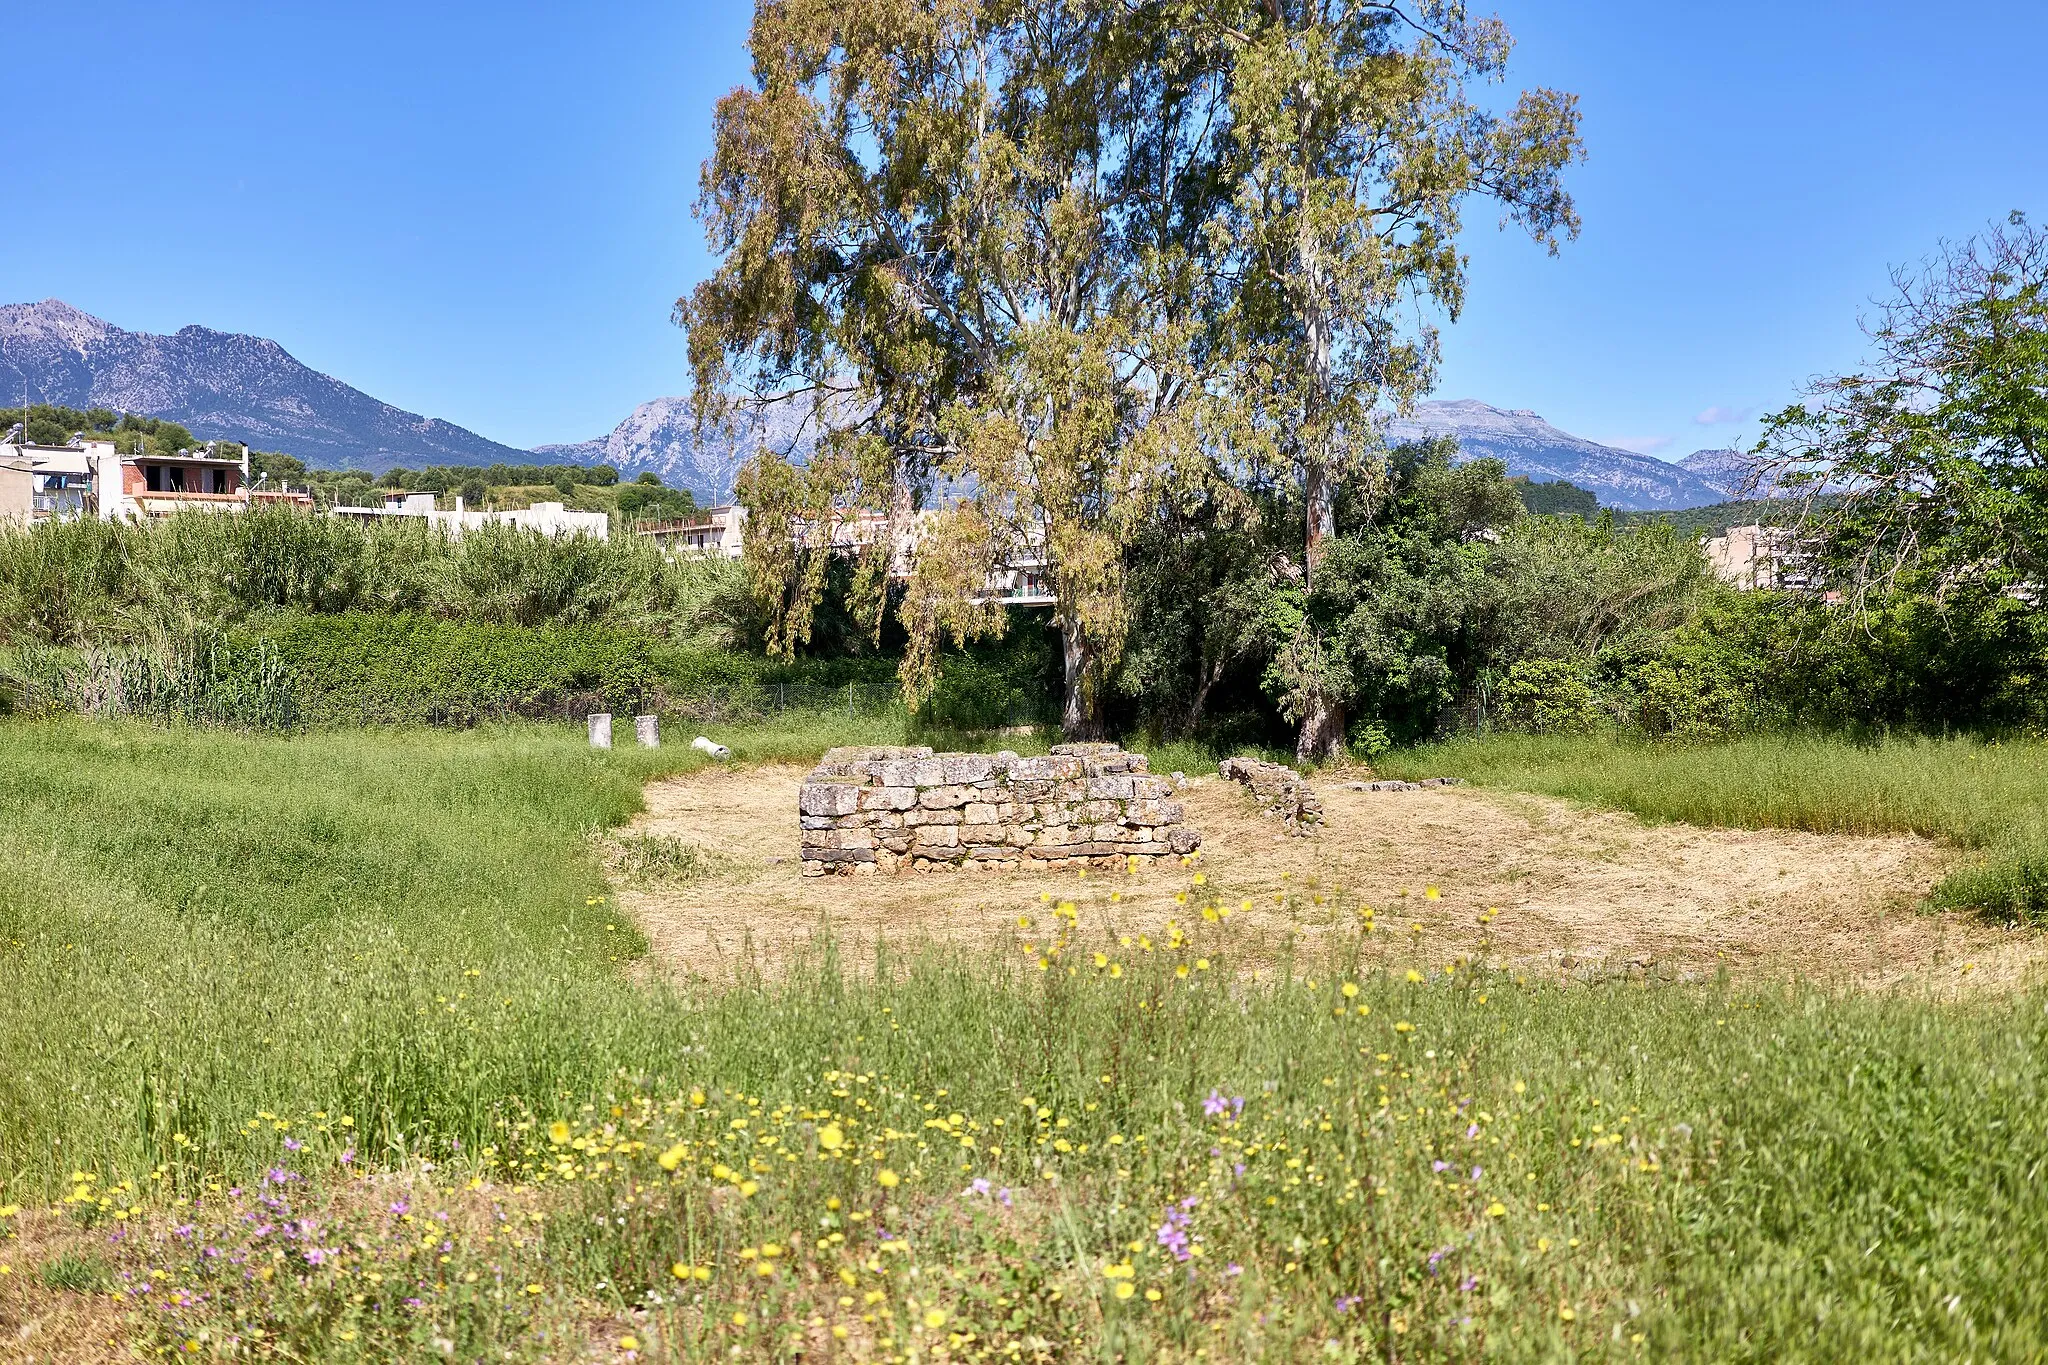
column 1357, row 143
column 1930, row 468
column 1404, row 604
column 961, row 237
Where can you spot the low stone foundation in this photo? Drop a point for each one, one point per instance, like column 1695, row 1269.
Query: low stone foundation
column 896, row 810
column 1279, row 791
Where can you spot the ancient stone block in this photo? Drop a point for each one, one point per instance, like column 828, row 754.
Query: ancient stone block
column 837, row 838
column 828, row 798
column 944, row 798
column 1052, row 769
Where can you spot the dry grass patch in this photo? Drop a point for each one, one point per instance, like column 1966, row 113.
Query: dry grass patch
column 1577, row 890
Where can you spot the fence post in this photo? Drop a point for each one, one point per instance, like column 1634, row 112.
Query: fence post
column 600, row 723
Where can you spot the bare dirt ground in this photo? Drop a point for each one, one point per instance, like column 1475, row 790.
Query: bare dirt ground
column 1578, row 891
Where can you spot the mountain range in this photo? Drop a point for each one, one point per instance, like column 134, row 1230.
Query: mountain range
column 1533, row 448
column 224, row 385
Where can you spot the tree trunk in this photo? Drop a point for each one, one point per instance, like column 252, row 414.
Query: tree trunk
column 1322, row 730
column 1081, row 716
column 1322, row 717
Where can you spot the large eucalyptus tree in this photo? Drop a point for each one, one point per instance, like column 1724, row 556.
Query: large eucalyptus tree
column 963, row 235
column 1357, row 137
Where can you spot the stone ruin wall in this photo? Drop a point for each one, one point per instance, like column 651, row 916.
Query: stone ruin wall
column 897, row 810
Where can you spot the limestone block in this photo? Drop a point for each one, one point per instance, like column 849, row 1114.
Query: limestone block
column 837, row 838
column 963, row 769
column 846, row 755
column 1052, row 769
column 896, row 840
column 840, row 855
column 1088, row 749
column 1183, row 840
column 980, row 834
column 828, row 798
column 945, row 798
column 941, row 836
column 983, row 813
column 888, row 798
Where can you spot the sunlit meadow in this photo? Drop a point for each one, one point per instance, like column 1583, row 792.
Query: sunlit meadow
column 333, row 1049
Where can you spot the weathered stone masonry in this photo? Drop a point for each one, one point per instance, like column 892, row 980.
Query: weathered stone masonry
column 896, row 810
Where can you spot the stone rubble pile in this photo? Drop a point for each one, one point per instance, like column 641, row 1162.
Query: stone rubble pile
column 896, row 810
column 1279, row 790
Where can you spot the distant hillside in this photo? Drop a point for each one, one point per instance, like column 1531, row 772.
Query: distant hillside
column 224, row 386
column 1533, row 448
column 660, row 436
column 1730, row 471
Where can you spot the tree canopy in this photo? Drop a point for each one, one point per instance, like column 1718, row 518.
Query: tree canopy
column 1073, row 263
column 1932, row 464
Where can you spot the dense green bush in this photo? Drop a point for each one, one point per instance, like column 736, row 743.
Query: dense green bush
column 360, row 668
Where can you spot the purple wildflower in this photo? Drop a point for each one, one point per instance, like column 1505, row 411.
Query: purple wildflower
column 293, row 1145
column 1439, row 1166
column 1173, row 1233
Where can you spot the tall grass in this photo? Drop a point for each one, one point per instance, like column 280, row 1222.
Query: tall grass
column 398, row 948
column 1985, row 796
column 69, row 583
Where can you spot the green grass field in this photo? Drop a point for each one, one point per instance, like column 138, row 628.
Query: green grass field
column 261, row 998
column 1991, row 798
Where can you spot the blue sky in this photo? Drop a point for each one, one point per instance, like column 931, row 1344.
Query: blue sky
column 481, row 212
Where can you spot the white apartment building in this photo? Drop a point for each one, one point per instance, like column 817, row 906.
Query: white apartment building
column 549, row 518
